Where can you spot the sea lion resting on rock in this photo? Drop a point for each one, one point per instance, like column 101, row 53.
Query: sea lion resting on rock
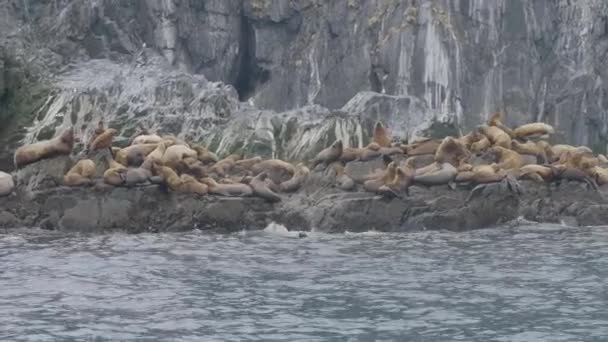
column 7, row 185
column 60, row 145
column 183, row 183
column 225, row 165
column 81, row 174
column 563, row 172
column 373, row 185
column 506, row 159
column 496, row 135
column 328, row 155
column 98, row 131
column 298, row 179
column 452, row 151
column 276, row 169
column 444, row 174
column 146, row 139
column 425, row 146
column 381, row 136
column 260, row 188
column 343, row 181
column 134, row 155
column 533, row 129
column 404, row 176
column 139, row 175
column 104, row 140
column 175, row 153
column 240, row 190
column 204, row 155
column 114, row 174
column 496, row 120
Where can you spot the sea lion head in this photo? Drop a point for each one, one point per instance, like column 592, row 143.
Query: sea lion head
column 112, row 131
column 337, row 144
column 68, row 135
column 373, row 146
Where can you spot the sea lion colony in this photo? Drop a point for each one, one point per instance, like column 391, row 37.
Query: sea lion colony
column 490, row 153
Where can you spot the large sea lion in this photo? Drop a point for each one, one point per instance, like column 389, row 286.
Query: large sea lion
column 204, row 155
column 563, row 172
column 373, row 185
column 600, row 175
column 445, row 174
column 298, row 179
column 371, row 151
column 425, row 146
column 146, row 139
column 538, row 173
column 240, row 189
column 60, row 145
column 506, row 159
column 260, row 188
column 276, row 169
column 381, row 136
column 452, row 151
column 104, row 140
column 134, row 155
column 496, row 135
column 183, row 184
column 7, row 185
column 343, row 181
column 496, row 120
column 225, row 165
column 404, row 176
column 159, row 151
column 97, row 132
column 535, row 129
column 481, row 174
column 481, row 145
column 114, row 175
column 175, row 153
column 80, row 174
column 531, row 148
column 139, row 175
column 328, row 155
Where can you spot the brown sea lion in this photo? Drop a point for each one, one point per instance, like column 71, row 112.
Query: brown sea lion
column 114, row 175
column 249, row 163
column 371, row 151
column 104, row 140
column 452, row 151
column 600, row 175
column 175, row 153
column 80, row 174
column 204, row 155
column 159, row 151
column 350, row 154
column 241, row 190
column 225, row 165
column 426, row 146
column 183, row 184
column 481, row 146
column 298, row 179
column 139, row 175
column 404, row 177
column 381, row 135
column 531, row 148
column 602, row 159
column 146, row 139
column 60, row 145
column 506, row 159
column 496, row 135
column 7, row 185
column 134, row 155
column 328, row 155
column 97, row 132
column 537, row 173
column 445, row 174
column 533, row 129
column 260, row 188
column 563, row 172
column 276, row 169
column 343, row 181
column 481, row 174
column 496, row 120
column 373, row 185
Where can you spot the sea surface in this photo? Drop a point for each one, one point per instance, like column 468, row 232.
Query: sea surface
column 524, row 282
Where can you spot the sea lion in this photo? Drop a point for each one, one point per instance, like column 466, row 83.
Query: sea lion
column 343, row 181
column 159, row 151
column 531, row 148
column 328, row 155
column 373, row 185
column 260, row 188
column 404, row 176
column 139, row 175
column 240, row 189
column 427, row 146
column 371, row 151
column 445, row 173
column 114, row 174
column 204, row 155
column 506, row 159
column 134, row 155
column 538, row 173
column 563, row 172
column 602, row 159
column 175, row 153
column 249, row 163
column 481, row 145
column 350, row 154
column 496, row 135
column 7, row 185
column 104, row 140
column 80, row 174
column 60, row 145
column 600, row 175
column 297, row 180
column 276, row 169
column 97, row 132
column 496, row 120
column 183, row 183
column 146, row 139
column 452, row 151
column 225, row 165
column 381, row 136
column 533, row 129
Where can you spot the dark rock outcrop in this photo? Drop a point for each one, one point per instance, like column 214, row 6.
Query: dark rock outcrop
column 318, row 205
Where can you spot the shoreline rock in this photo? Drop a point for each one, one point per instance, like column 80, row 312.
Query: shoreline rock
column 324, row 208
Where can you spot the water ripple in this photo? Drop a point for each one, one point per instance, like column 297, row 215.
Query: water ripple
column 524, row 283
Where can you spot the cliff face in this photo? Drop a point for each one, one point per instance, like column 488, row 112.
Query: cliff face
column 279, row 76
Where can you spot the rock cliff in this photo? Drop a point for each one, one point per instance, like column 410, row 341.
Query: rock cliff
column 283, row 78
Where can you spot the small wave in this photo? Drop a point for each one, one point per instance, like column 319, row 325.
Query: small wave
column 281, row 230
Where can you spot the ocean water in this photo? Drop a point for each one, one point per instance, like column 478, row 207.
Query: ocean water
column 520, row 283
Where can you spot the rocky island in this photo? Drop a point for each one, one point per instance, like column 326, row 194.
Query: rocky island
column 284, row 80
